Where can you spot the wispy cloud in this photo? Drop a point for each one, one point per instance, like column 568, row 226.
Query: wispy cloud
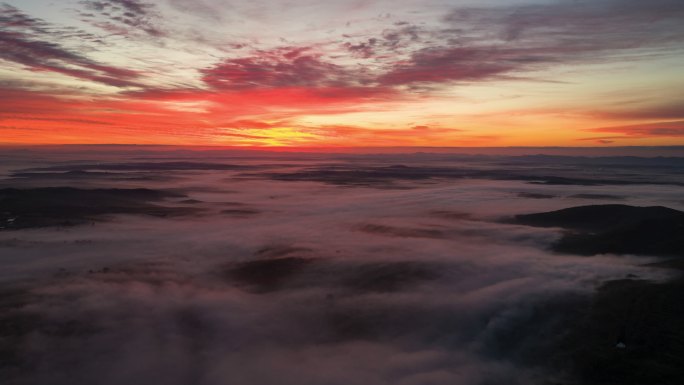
column 203, row 9
column 658, row 129
column 390, row 42
column 279, row 68
column 29, row 41
column 119, row 16
column 441, row 65
column 582, row 26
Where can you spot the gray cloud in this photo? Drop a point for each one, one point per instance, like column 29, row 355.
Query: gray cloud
column 582, row 25
column 122, row 15
column 491, row 43
column 29, row 42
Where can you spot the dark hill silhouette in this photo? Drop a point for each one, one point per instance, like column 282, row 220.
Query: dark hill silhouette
column 646, row 317
column 619, row 229
column 67, row 206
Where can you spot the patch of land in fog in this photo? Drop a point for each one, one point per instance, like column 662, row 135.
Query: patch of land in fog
column 68, row 206
column 618, row 229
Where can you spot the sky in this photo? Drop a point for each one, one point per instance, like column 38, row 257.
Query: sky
column 357, row 73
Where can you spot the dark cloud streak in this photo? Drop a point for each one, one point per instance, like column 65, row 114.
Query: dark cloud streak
column 28, row 41
column 490, row 43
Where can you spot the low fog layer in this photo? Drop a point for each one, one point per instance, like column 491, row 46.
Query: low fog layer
column 307, row 269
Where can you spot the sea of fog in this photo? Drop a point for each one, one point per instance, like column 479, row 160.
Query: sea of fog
column 308, row 269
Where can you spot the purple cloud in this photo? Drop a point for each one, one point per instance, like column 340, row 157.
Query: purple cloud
column 580, row 25
column 280, row 68
column 400, row 38
column 445, row 64
column 121, row 15
column 22, row 41
column 489, row 43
